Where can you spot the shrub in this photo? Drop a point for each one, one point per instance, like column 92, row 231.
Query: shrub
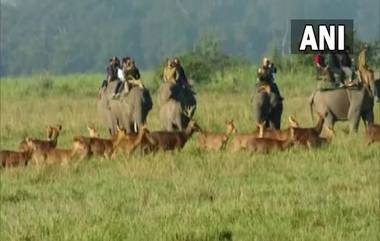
column 205, row 60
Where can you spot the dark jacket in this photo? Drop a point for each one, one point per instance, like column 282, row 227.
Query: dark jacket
column 181, row 76
column 334, row 61
column 345, row 60
column 132, row 73
column 319, row 59
column 112, row 72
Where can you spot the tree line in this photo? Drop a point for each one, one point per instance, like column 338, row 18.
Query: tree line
column 79, row 36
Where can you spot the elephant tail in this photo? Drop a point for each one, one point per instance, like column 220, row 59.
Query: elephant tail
column 311, row 102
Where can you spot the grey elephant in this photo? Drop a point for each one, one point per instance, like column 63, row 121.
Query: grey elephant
column 268, row 108
column 128, row 111
column 346, row 104
column 177, row 106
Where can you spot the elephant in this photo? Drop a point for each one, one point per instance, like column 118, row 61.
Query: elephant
column 178, row 106
column 346, row 104
column 128, row 111
column 268, row 108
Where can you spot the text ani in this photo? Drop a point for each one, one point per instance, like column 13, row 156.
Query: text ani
column 329, row 38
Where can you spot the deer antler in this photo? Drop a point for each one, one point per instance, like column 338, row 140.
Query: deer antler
column 188, row 111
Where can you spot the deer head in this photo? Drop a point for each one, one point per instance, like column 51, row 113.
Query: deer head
column 230, row 127
column 53, row 132
column 293, row 122
column 92, row 131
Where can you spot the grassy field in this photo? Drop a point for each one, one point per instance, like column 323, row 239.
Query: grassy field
column 326, row 194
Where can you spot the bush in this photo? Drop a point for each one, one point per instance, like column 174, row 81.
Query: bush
column 205, row 60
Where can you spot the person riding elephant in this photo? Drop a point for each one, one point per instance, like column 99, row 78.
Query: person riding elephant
column 362, row 64
column 129, row 77
column 365, row 74
column 175, row 96
column 182, row 79
column 320, row 66
column 267, row 105
column 269, row 74
column 336, row 73
column 112, row 73
column 170, row 74
column 346, row 65
column 128, row 111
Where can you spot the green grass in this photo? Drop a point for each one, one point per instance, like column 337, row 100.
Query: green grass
column 326, row 194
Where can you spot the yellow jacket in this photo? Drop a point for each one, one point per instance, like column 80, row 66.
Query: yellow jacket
column 362, row 59
column 170, row 74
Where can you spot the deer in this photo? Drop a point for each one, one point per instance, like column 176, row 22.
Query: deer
column 262, row 144
column 281, row 135
column 309, row 137
column 128, row 143
column 41, row 147
column 372, row 133
column 216, row 141
column 15, row 158
column 95, row 145
column 51, row 155
column 51, row 142
column 174, row 140
column 240, row 141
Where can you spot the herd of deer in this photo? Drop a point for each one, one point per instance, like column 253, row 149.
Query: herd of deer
column 263, row 140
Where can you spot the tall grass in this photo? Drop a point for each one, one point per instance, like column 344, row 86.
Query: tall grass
column 326, row 194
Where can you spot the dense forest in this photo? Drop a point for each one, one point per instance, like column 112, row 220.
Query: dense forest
column 79, row 36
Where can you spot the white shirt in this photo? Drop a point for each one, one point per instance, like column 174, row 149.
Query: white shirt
column 120, row 74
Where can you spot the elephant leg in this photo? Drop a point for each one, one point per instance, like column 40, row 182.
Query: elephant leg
column 354, row 114
column 275, row 117
column 178, row 122
column 169, row 126
column 355, row 119
column 329, row 120
column 113, row 128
